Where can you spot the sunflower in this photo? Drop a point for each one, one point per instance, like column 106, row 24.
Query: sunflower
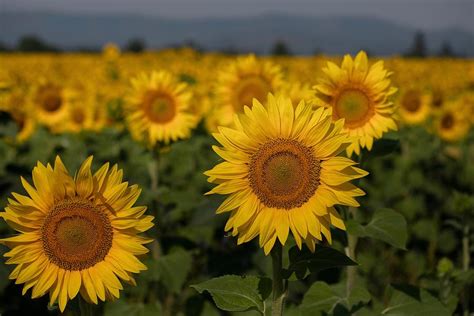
column 282, row 173
column 22, row 113
column 359, row 95
column 51, row 103
column 159, row 108
column 296, row 91
column 467, row 101
column 243, row 80
column 76, row 235
column 451, row 123
column 437, row 99
column 81, row 117
column 414, row 106
column 111, row 52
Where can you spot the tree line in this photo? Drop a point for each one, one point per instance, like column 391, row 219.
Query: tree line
column 33, row 43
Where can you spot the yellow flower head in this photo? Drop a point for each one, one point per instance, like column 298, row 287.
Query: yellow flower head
column 297, row 92
column 111, row 51
column 22, row 113
column 76, row 235
column 282, row 173
column 414, row 106
column 51, row 103
column 158, row 109
column 359, row 95
column 467, row 103
column 243, row 80
column 451, row 123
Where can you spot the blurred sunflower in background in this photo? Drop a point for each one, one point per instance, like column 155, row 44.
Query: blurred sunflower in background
column 297, row 92
column 467, row 103
column 158, row 108
column 240, row 82
column 22, row 112
column 414, row 106
column 451, row 123
column 51, row 103
column 282, row 173
column 111, row 52
column 81, row 117
column 76, row 235
column 437, row 99
column 359, row 95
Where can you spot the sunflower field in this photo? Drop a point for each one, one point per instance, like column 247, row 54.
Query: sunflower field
column 187, row 183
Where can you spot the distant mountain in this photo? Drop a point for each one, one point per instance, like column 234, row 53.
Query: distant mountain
column 304, row 35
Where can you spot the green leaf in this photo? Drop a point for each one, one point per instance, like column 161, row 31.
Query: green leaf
column 122, row 307
column 386, row 225
column 324, row 298
column 408, row 300
column 320, row 297
column 302, row 261
column 171, row 270
column 235, row 293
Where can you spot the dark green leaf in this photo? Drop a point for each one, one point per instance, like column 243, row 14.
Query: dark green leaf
column 236, row 293
column 386, row 225
column 302, row 261
column 171, row 270
column 408, row 300
column 324, row 298
column 132, row 309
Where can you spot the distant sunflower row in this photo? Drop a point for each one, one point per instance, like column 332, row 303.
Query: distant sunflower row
column 162, row 97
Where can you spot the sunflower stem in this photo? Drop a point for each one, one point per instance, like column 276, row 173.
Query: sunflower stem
column 351, row 270
column 350, row 252
column 278, row 287
column 85, row 308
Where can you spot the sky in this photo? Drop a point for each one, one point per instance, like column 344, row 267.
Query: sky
column 423, row 14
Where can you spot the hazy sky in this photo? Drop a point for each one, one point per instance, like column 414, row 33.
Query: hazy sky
column 419, row 13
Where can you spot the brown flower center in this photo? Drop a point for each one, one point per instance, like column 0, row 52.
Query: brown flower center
column 76, row 234
column 284, row 173
column 438, row 99
column 354, row 106
column 447, row 121
column 159, row 107
column 78, row 116
column 251, row 87
column 49, row 98
column 411, row 101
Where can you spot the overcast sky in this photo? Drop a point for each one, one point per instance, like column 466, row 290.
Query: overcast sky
column 427, row 14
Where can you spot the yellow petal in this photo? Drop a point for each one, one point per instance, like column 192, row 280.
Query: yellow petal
column 74, row 283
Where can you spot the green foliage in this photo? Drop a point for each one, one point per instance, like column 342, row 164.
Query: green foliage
column 304, row 261
column 390, row 143
column 322, row 298
column 386, row 225
column 132, row 309
column 430, row 190
column 236, row 293
column 171, row 270
column 408, row 300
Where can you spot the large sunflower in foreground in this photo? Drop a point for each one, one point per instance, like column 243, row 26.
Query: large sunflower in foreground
column 77, row 235
column 360, row 95
column 241, row 81
column 282, row 172
column 159, row 108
